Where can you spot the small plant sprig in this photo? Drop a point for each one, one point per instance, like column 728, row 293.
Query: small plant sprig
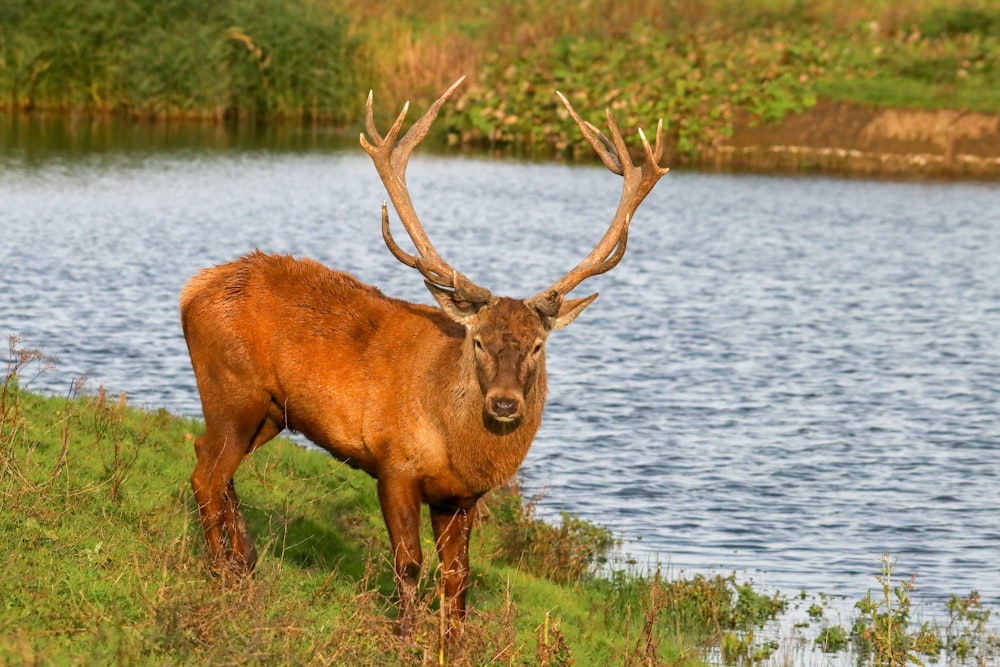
column 109, row 426
column 24, row 365
column 882, row 632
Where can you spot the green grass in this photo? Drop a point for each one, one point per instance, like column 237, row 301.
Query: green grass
column 264, row 58
column 104, row 560
column 882, row 92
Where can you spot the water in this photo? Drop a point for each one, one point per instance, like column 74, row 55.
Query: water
column 785, row 377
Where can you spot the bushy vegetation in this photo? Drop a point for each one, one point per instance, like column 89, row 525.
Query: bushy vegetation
column 265, row 58
column 698, row 65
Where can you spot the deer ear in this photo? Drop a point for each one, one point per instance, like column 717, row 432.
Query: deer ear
column 459, row 311
column 568, row 311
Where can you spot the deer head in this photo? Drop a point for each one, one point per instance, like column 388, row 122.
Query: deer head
column 506, row 336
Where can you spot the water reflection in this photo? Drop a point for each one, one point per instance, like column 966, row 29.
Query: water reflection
column 40, row 138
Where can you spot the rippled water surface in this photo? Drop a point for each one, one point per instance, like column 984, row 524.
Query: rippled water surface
column 784, row 377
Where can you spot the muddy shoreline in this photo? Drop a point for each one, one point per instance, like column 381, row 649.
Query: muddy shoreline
column 853, row 139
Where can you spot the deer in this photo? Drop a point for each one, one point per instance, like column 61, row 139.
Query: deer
column 438, row 404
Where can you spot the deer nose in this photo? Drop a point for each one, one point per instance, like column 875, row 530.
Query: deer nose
column 505, row 407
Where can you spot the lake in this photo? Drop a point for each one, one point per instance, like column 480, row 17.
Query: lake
column 785, row 377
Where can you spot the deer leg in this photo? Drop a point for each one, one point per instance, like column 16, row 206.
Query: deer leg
column 220, row 452
column 242, row 556
column 452, row 529
column 211, row 480
column 400, row 503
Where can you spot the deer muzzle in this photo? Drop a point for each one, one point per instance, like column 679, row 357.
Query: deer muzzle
column 504, row 407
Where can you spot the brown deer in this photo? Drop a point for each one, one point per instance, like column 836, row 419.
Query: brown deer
column 439, row 405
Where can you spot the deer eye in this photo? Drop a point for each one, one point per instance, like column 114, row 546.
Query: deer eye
column 537, row 349
column 477, row 344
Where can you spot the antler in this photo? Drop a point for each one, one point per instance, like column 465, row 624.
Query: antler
column 639, row 180
column 390, row 158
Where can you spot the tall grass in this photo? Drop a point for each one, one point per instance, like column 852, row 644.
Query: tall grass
column 267, row 58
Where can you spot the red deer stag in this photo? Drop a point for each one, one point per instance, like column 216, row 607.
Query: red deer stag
column 438, row 405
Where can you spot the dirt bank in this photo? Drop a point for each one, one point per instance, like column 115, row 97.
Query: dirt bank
column 841, row 137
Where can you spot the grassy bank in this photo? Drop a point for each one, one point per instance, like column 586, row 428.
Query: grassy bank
column 105, row 564
column 104, row 561
column 698, row 65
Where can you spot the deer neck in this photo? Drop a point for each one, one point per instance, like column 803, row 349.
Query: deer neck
column 484, row 453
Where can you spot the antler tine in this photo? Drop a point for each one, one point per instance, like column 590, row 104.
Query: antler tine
column 419, row 129
column 390, row 158
column 397, row 252
column 651, row 154
column 639, row 180
column 370, row 121
column 602, row 145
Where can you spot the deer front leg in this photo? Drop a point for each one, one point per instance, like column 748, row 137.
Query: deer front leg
column 452, row 529
column 400, row 503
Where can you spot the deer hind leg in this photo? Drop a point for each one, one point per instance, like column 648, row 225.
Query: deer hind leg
column 220, row 451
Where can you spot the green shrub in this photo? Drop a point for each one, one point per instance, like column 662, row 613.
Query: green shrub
column 564, row 552
column 268, row 58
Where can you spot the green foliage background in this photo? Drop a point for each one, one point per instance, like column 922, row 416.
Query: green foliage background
column 179, row 57
column 698, row 65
